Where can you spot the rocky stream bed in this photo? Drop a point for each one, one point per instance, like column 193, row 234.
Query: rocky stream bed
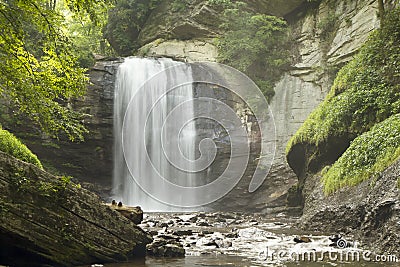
column 236, row 239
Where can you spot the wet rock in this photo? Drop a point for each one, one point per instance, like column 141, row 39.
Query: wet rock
column 168, row 237
column 302, row 239
column 227, row 216
column 206, row 242
column 203, row 223
column 153, row 233
column 220, row 220
column 163, row 224
column 43, row 226
column 183, row 232
column 223, row 243
column 161, row 248
column 135, row 214
column 370, row 214
column 232, row 235
column 207, row 232
column 193, row 219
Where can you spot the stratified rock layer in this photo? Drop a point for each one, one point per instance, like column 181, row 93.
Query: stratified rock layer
column 49, row 220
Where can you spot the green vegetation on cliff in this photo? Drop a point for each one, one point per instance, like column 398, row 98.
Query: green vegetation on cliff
column 255, row 44
column 368, row 155
column 365, row 92
column 125, row 22
column 12, row 146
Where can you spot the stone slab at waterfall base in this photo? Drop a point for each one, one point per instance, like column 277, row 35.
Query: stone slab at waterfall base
column 135, row 214
column 49, row 220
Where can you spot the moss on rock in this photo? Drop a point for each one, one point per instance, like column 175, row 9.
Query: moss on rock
column 368, row 155
column 365, row 92
column 14, row 147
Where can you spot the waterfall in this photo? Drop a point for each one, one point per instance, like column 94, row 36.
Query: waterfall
column 146, row 92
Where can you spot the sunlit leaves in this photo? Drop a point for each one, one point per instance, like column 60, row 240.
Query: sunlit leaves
column 12, row 146
column 39, row 74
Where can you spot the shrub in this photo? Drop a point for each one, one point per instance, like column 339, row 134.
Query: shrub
column 12, row 146
column 255, row 44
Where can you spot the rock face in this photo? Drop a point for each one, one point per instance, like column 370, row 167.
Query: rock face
column 198, row 19
column 189, row 51
column 321, row 51
column 369, row 211
column 91, row 161
column 49, row 220
column 321, row 48
column 135, row 214
column 325, row 37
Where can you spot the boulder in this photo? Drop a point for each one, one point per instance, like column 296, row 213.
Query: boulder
column 165, row 248
column 48, row 220
column 135, row 214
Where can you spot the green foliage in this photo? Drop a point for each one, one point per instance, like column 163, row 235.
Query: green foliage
column 254, row 44
column 366, row 91
column 368, row 155
column 87, row 35
column 12, row 146
column 179, row 5
column 364, row 105
column 125, row 22
column 55, row 188
column 39, row 74
column 398, row 183
column 223, row 3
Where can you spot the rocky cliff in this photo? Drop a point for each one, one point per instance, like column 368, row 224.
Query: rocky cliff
column 48, row 220
column 326, row 35
column 368, row 213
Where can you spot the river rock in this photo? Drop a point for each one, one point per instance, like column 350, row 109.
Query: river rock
column 222, row 243
column 183, row 232
column 48, row 220
column 164, row 248
column 135, row 214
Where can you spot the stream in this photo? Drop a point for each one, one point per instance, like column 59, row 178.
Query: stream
column 235, row 239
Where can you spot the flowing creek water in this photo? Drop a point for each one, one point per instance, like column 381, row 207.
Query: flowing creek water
column 234, row 239
column 143, row 100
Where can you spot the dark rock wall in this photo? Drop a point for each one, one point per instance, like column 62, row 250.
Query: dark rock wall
column 90, row 161
column 368, row 213
column 46, row 219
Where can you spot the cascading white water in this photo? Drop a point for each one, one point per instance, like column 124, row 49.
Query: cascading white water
column 133, row 124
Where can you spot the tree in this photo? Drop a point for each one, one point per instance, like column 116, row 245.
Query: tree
column 381, row 8
column 255, row 44
column 39, row 75
column 125, row 22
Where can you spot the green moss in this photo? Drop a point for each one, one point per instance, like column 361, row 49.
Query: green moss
column 363, row 105
column 366, row 91
column 368, row 155
column 398, row 183
column 12, row 146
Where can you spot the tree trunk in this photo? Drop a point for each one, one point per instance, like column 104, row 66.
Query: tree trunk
column 381, row 8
